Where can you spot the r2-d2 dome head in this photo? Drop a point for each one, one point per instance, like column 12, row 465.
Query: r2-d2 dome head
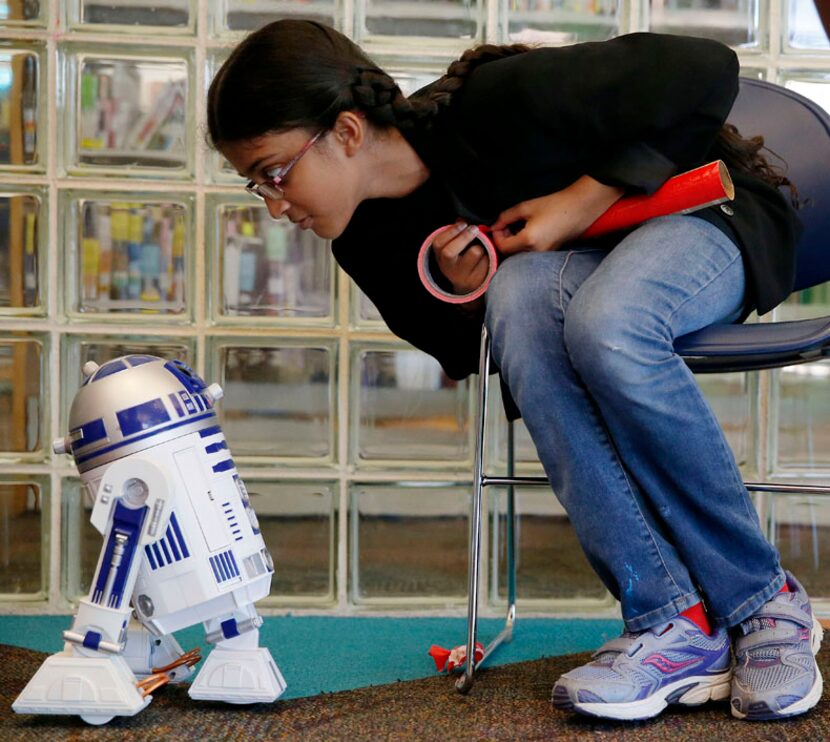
column 132, row 403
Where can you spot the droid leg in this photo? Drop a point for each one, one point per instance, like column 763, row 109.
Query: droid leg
column 90, row 677
column 237, row 670
column 147, row 654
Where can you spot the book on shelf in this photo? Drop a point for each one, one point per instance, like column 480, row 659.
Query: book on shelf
column 132, row 257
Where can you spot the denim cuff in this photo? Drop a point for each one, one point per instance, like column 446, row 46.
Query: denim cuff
column 664, row 613
column 751, row 604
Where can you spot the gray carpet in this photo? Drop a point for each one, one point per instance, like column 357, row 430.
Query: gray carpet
column 508, row 703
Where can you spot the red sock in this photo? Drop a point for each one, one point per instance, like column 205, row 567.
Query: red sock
column 785, row 589
column 697, row 614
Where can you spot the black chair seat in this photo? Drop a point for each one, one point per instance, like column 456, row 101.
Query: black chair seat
column 750, row 347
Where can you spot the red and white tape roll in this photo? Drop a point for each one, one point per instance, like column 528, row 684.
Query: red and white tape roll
column 682, row 194
column 430, row 283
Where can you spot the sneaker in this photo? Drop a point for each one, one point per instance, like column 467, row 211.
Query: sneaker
column 776, row 674
column 637, row 675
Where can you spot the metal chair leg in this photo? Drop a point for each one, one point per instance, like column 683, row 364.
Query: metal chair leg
column 465, row 682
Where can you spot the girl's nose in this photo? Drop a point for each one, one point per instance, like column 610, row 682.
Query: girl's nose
column 277, row 207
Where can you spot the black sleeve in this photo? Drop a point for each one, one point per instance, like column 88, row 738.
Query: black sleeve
column 649, row 104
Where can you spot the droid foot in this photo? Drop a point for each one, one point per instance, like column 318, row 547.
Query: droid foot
column 238, row 676
column 94, row 688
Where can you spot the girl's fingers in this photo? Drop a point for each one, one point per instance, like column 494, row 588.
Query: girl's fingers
column 512, row 215
column 443, row 238
column 509, row 243
column 472, row 258
column 453, row 241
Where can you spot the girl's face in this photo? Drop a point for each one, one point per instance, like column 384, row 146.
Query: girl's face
column 318, row 190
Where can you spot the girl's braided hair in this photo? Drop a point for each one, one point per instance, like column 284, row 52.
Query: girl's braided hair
column 293, row 73
column 302, row 74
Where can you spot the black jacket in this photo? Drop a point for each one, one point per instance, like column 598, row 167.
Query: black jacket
column 632, row 111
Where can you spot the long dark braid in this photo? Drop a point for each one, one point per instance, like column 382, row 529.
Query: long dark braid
column 379, row 96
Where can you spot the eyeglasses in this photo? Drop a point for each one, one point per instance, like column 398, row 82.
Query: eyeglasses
column 272, row 187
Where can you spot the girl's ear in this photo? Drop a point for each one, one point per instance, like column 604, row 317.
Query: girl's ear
column 349, row 131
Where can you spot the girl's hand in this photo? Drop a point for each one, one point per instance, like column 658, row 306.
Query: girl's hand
column 465, row 265
column 552, row 221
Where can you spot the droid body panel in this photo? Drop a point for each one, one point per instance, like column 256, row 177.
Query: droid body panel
column 182, row 545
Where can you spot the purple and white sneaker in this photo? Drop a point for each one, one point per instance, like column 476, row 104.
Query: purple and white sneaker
column 776, row 674
column 638, row 674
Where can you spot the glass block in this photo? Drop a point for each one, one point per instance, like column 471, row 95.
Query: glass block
column 408, row 542
column 244, row 15
column 22, row 222
column 732, row 22
column 550, row 563
column 801, row 416
column 525, row 457
column 800, row 529
column 756, row 73
column 24, row 523
column 431, row 19
column 23, row 401
column 405, row 408
column 364, row 314
column 127, row 257
column 175, row 15
column 411, row 79
column 266, row 268
column 280, row 398
column 562, row 21
column 299, row 524
column 80, row 542
column 219, row 169
column 20, row 107
column 131, row 114
column 17, row 13
column 805, row 304
column 814, row 85
column 78, row 349
column 804, row 29
column 730, row 396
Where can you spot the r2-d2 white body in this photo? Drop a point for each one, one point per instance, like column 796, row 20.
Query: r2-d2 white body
column 182, row 545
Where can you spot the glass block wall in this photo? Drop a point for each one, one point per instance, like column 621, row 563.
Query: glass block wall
column 120, row 233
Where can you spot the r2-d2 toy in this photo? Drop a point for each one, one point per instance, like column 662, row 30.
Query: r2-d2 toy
column 182, row 545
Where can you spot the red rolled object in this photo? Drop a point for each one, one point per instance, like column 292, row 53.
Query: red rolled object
column 683, row 194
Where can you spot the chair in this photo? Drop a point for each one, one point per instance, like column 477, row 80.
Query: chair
column 798, row 131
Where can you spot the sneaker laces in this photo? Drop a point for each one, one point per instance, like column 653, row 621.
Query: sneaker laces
column 757, row 623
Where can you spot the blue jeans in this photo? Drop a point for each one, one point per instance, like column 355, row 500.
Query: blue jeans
column 584, row 340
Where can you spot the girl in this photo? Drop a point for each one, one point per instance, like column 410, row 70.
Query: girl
column 537, row 143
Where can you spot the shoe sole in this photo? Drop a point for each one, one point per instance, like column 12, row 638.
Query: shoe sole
column 692, row 691
column 805, row 704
